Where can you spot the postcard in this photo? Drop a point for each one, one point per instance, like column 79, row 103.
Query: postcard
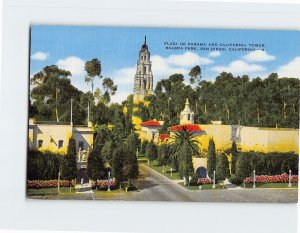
column 163, row 114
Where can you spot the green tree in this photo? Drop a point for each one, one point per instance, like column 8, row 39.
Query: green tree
column 163, row 154
column 151, row 151
column 130, row 166
column 143, row 147
column 51, row 95
column 243, row 167
column 95, row 167
column 183, row 137
column 69, row 166
column 211, row 158
column 93, row 69
column 107, row 151
column 195, row 74
column 117, row 165
column 185, row 161
column 234, row 153
column 222, row 168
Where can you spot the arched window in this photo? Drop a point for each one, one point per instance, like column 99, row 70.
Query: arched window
column 145, row 69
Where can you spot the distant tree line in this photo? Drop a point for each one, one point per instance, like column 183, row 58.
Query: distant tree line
column 269, row 102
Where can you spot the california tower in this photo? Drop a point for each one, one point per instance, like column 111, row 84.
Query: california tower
column 143, row 79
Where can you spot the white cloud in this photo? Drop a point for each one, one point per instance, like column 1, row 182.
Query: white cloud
column 291, row 69
column 73, row 64
column 214, row 54
column 259, row 56
column 187, row 59
column 162, row 67
column 40, row 56
column 239, row 67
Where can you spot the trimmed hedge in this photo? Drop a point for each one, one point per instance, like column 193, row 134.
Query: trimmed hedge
column 270, row 163
column 43, row 165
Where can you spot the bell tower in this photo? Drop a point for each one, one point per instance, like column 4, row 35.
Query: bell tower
column 187, row 115
column 143, row 79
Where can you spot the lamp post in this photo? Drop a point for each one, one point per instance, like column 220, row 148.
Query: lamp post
column 254, row 179
column 108, row 186
column 290, row 178
column 214, row 180
column 58, row 181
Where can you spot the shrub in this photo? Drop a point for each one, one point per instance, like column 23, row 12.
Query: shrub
column 243, row 168
column 194, row 180
column 43, row 165
column 211, row 158
column 151, row 151
column 222, row 169
column 234, row 179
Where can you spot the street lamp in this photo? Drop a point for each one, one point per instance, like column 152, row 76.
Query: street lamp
column 254, row 179
column 214, row 180
column 108, row 188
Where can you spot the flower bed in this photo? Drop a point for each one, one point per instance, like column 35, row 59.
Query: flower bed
column 283, row 178
column 47, row 183
column 104, row 183
column 204, row 181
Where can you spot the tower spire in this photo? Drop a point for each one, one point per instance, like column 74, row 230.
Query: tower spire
column 145, row 40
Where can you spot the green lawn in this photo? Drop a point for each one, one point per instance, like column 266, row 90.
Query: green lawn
column 63, row 191
column 270, row 185
column 204, row 186
column 167, row 173
column 49, row 191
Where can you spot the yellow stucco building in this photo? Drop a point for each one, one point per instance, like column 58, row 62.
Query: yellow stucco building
column 55, row 137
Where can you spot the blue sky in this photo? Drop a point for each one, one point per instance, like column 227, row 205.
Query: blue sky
column 117, row 48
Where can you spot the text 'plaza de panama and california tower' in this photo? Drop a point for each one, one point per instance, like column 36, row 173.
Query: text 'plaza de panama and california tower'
column 143, row 79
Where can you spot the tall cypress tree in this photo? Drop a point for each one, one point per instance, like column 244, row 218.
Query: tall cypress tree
column 151, row 151
column 243, row 167
column 211, row 158
column 222, row 169
column 234, row 153
column 69, row 167
column 95, row 168
column 185, row 161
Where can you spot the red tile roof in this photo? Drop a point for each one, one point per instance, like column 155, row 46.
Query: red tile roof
column 188, row 127
column 151, row 123
column 163, row 137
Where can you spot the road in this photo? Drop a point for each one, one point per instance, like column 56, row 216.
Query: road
column 156, row 187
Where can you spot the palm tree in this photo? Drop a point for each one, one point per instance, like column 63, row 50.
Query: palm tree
column 183, row 138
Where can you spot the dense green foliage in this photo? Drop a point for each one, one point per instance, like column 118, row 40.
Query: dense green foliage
column 43, row 165
column 163, row 154
column 222, row 168
column 269, row 163
column 69, row 167
column 124, row 163
column 243, row 168
column 185, row 161
column 234, row 153
column 151, row 151
column 268, row 102
column 211, row 158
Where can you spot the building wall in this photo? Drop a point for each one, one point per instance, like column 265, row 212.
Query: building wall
column 269, row 139
column 50, row 135
column 147, row 133
column 85, row 135
column 251, row 138
column 220, row 133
